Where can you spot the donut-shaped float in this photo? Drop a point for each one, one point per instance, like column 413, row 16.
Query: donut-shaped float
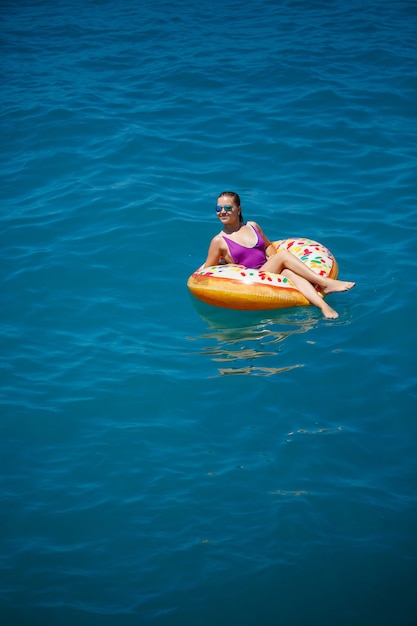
column 236, row 287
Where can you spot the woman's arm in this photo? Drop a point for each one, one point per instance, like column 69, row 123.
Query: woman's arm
column 215, row 251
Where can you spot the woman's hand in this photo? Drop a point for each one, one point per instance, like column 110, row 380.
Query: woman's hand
column 270, row 250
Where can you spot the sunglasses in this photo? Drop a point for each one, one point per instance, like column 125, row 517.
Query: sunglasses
column 227, row 207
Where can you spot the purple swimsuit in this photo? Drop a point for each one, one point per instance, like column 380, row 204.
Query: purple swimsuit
column 253, row 257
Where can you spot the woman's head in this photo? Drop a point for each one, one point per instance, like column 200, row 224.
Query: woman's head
column 233, row 198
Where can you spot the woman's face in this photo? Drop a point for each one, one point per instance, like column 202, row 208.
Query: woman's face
column 227, row 210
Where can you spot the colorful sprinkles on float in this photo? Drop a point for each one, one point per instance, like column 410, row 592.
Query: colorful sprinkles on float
column 236, row 287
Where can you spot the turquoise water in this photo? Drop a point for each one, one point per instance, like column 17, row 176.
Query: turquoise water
column 164, row 462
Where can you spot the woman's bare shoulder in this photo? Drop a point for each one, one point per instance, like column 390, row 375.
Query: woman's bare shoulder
column 254, row 224
column 217, row 249
column 218, row 239
column 218, row 242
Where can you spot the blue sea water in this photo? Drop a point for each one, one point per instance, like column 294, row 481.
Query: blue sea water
column 165, row 462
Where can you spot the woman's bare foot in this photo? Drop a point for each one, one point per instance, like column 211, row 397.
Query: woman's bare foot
column 328, row 312
column 332, row 286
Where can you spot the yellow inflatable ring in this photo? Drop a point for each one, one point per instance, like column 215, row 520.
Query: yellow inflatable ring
column 236, row 287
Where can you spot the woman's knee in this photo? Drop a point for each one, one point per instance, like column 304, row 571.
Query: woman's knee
column 286, row 254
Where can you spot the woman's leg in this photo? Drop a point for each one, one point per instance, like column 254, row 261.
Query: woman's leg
column 307, row 289
column 284, row 259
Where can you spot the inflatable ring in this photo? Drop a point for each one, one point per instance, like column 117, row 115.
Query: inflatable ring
column 236, row 287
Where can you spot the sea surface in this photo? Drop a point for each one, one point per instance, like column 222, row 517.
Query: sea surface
column 168, row 463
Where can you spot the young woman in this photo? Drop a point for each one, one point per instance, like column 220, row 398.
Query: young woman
column 245, row 243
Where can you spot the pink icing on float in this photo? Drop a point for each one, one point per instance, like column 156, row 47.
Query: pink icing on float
column 236, row 287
